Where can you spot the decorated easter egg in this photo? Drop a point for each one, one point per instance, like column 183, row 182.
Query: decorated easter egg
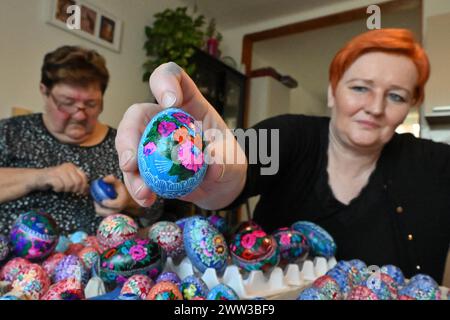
column 66, row 289
column 311, row 293
column 342, row 278
column 12, row 268
column 424, row 278
column 358, row 272
column 219, row 222
column 101, row 190
column 51, row 263
column 182, row 222
column 135, row 256
column 88, row 256
column 292, row 244
column 361, row 292
column 137, row 284
column 247, row 224
column 320, row 241
column 31, row 283
column 328, row 287
column 193, row 286
column 395, row 273
column 116, row 229
column 92, row 241
column 253, row 249
column 71, row 267
column 379, row 287
column 391, row 285
column 74, row 249
column 4, row 247
column 420, row 288
column 170, row 154
column 164, row 290
column 34, row 235
column 169, row 237
column 222, row 292
column 169, row 276
column 205, row 245
column 78, row 237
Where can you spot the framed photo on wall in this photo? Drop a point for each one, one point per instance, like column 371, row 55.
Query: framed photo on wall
column 86, row 21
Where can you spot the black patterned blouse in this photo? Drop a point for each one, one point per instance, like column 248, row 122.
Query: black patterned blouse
column 25, row 142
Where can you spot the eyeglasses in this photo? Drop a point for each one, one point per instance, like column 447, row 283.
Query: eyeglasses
column 68, row 105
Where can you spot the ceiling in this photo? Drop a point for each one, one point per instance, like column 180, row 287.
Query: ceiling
column 233, row 13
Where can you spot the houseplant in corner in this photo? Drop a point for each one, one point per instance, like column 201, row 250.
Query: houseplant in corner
column 172, row 37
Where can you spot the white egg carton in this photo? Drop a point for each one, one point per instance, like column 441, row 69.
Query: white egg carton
column 277, row 284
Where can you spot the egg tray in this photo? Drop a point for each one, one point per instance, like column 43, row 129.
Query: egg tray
column 279, row 283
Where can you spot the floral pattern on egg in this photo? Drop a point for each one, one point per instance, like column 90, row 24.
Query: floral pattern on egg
column 31, row 283
column 164, row 290
column 320, row 241
column 138, row 284
column 293, row 245
column 169, row 237
column 171, row 154
column 116, row 229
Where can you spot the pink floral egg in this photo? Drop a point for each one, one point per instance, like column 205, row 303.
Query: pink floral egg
column 253, row 249
column 50, row 264
column 88, row 256
column 116, row 229
column 169, row 236
column 12, row 268
column 294, row 246
column 31, row 283
column 138, row 284
column 66, row 289
column 171, row 154
column 92, row 241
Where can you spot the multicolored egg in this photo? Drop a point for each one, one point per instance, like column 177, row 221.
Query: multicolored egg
column 328, row 287
column 12, row 268
column 253, row 249
column 376, row 284
column 71, row 267
column 342, row 278
column 169, row 276
column 34, row 235
column 170, row 154
column 136, row 256
column 51, row 263
column 395, row 273
column 169, row 237
column 293, row 245
column 320, row 241
column 88, row 256
column 92, row 241
column 138, row 284
column 311, row 293
column 116, row 229
column 101, row 190
column 74, row 249
column 165, row 290
column 222, row 292
column 420, row 288
column 205, row 245
column 31, row 283
column 4, row 247
column 361, row 292
column 66, row 289
column 182, row 222
column 193, row 286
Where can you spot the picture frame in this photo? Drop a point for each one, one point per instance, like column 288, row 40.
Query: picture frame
column 95, row 24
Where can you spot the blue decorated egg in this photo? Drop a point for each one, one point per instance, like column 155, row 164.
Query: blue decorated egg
column 253, row 249
column 328, row 287
column 311, row 293
column 170, row 154
column 71, row 267
column 293, row 245
column 165, row 290
column 320, row 241
column 420, row 287
column 361, row 292
column 222, row 292
column 136, row 256
column 34, row 235
column 101, row 190
column 4, row 247
column 169, row 276
column 342, row 278
column 192, row 287
column 169, row 236
column 205, row 245
column 395, row 273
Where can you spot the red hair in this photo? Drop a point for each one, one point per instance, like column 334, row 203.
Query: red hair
column 396, row 41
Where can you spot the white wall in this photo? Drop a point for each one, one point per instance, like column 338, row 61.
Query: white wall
column 25, row 37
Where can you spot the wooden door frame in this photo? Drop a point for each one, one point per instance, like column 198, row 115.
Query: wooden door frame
column 313, row 24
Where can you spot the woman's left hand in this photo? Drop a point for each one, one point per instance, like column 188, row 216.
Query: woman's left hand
column 117, row 205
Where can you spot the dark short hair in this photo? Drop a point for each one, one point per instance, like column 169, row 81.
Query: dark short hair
column 74, row 65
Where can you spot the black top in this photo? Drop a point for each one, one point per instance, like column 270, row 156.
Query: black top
column 401, row 217
column 25, row 142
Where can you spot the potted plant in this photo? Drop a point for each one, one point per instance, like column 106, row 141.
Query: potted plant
column 172, row 37
column 213, row 38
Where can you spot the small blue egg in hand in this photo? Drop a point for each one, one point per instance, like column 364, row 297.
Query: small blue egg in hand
column 171, row 154
column 101, row 190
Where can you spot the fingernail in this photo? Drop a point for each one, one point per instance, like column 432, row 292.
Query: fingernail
column 168, row 99
column 125, row 157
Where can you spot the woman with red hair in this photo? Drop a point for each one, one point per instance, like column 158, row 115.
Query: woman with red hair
column 383, row 196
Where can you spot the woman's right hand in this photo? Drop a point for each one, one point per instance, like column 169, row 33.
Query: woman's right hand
column 224, row 179
column 66, row 177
